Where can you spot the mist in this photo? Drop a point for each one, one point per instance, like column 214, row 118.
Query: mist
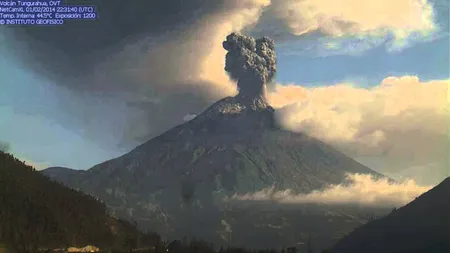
column 363, row 190
column 395, row 126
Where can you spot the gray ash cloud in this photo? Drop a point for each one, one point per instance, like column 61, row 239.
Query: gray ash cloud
column 251, row 62
column 95, row 66
column 131, row 74
column 76, row 47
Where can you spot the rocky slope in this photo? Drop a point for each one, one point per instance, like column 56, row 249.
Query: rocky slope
column 64, row 175
column 233, row 147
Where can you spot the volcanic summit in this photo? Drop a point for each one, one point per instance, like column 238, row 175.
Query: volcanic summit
column 234, row 146
column 252, row 64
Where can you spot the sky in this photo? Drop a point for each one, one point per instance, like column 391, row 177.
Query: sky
column 369, row 77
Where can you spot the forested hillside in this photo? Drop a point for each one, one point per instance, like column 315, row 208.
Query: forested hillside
column 36, row 212
column 421, row 226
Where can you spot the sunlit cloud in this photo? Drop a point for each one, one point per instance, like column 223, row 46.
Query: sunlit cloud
column 354, row 26
column 402, row 121
column 363, row 190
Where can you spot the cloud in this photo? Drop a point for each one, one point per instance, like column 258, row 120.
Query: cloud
column 186, row 73
column 402, row 121
column 122, row 81
column 136, row 77
column 353, row 46
column 349, row 17
column 80, row 45
column 363, row 190
column 351, row 25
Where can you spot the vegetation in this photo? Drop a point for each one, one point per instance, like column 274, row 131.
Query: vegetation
column 36, row 212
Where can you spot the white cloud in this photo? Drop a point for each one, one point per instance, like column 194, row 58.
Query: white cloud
column 403, row 122
column 354, row 26
column 363, row 190
column 348, row 17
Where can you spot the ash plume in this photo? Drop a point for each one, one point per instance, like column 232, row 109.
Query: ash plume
column 251, row 62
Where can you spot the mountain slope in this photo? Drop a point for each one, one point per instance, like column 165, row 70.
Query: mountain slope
column 65, row 175
column 176, row 182
column 421, row 226
column 231, row 152
column 233, row 147
column 36, row 212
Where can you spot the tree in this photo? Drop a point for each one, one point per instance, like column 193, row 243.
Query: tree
column 36, row 212
column 4, row 146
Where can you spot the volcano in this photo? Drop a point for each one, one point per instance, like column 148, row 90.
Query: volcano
column 174, row 183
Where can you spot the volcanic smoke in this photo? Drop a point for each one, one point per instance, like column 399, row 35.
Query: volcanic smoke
column 251, row 62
